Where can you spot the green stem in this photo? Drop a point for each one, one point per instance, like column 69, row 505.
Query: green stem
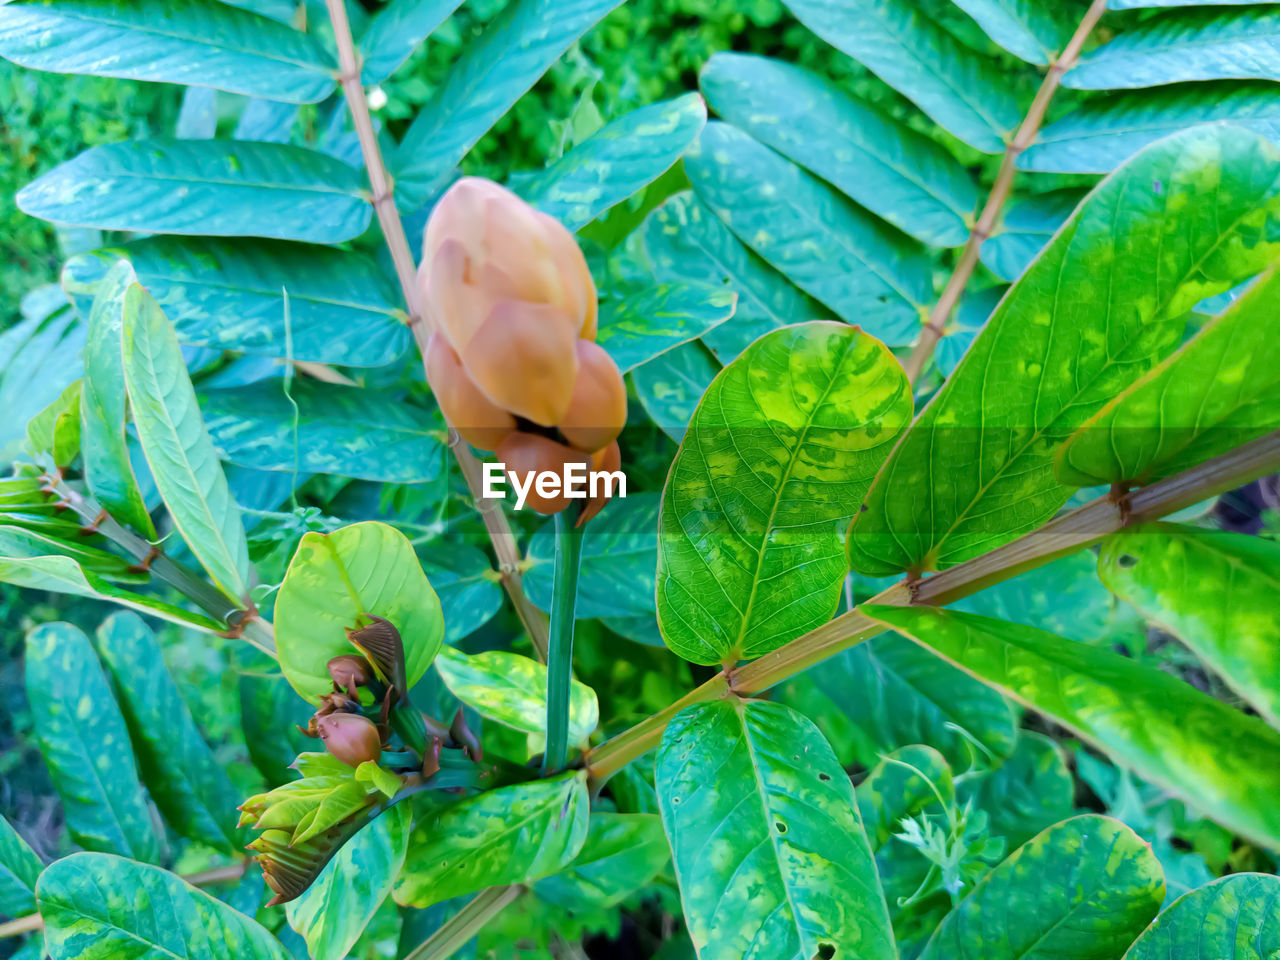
column 456, row 932
column 560, row 641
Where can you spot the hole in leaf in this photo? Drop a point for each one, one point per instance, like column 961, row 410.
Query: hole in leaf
column 826, row 951
column 824, row 777
column 1127, row 560
column 780, row 826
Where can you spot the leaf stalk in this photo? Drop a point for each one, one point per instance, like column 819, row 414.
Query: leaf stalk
column 564, row 601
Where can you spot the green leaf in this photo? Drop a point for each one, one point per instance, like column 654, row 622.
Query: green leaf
column 1082, row 890
column 226, row 189
column 395, row 32
column 1029, row 792
column 1086, row 319
column 364, row 433
column 780, row 451
column 685, row 241
column 55, row 430
column 16, row 541
column 670, row 385
column 961, row 90
column 334, row 911
column 1031, row 29
column 905, row 783
column 107, row 468
column 364, row 568
column 86, row 744
column 619, row 554
column 19, row 870
column 177, row 445
column 1025, row 228
column 271, row 713
column 187, row 782
column 1216, row 591
column 514, row 834
column 616, row 162
column 1220, row 390
column 466, row 584
column 769, row 849
column 865, row 272
column 99, row 907
column 39, row 358
column 230, row 295
column 1223, row 763
column 1106, row 130
column 1233, row 918
column 198, row 42
column 622, row 853
column 898, row 174
column 494, row 71
column 647, row 323
column 512, row 690
column 895, row 695
column 1203, row 44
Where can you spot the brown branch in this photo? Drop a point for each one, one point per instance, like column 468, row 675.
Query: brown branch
column 505, row 546
column 1060, row 536
column 990, row 215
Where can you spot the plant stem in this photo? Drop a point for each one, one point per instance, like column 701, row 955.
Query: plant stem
column 564, row 600
column 987, row 220
column 457, row 931
column 1062, row 535
column 505, row 546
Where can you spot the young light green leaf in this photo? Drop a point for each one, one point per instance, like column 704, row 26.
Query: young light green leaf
column 107, row 468
column 199, row 42
column 670, row 385
column 334, row 911
column 644, row 324
column 513, row 834
column 905, row 783
column 898, row 174
column 1204, row 44
column 780, row 451
column 866, row 272
column 622, row 853
column 1086, row 319
column 365, row 433
column 55, row 430
column 1024, row 230
column 512, row 690
column 230, row 295
column 1105, row 131
column 227, row 189
column 177, row 445
column 1216, row 591
column 395, row 32
column 1232, row 918
column 1029, row 792
column 616, row 162
column 1166, row 731
column 365, row 568
column 619, row 554
column 19, row 870
column 769, row 849
column 89, row 916
column 685, row 241
column 1079, row 891
column 188, row 784
column 1034, row 30
column 515, row 49
column 898, row 42
column 86, row 744
column 1220, row 390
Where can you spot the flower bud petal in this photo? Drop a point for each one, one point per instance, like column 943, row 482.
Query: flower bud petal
column 454, row 306
column 349, row 671
column 523, row 359
column 479, row 421
column 351, row 738
column 526, row 453
column 607, row 460
column 598, row 408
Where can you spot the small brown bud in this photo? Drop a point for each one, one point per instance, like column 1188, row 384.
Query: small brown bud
column 349, row 671
column 351, row 738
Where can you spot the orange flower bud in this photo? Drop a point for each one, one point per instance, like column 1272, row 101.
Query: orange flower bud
column 598, row 409
column 479, row 421
column 351, row 738
column 350, row 671
column 525, row 453
column 607, row 460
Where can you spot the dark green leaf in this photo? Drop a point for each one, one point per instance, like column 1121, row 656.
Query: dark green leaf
column 974, row 312
column 1082, row 890
column 769, row 849
column 905, row 782
column 1220, row 761
column 396, row 31
column 198, row 118
column 622, row 853
column 1024, row 230
column 896, row 173
column 466, row 584
column 1234, row 918
column 19, row 870
column 1035, row 30
column 647, row 323
column 86, row 744
column 266, row 120
column 39, row 358
column 198, row 42
column 869, row 274
column 207, row 187
column 1029, row 792
column 271, row 713
column 670, row 385
column 781, row 449
column 99, row 907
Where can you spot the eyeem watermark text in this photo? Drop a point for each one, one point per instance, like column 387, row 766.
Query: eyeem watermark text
column 576, row 483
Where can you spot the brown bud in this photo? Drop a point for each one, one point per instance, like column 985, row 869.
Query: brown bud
column 351, row 738
column 598, row 410
column 527, row 453
column 479, row 421
column 349, row 671
column 609, row 459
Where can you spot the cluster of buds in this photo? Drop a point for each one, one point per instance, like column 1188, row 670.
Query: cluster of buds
column 512, row 358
